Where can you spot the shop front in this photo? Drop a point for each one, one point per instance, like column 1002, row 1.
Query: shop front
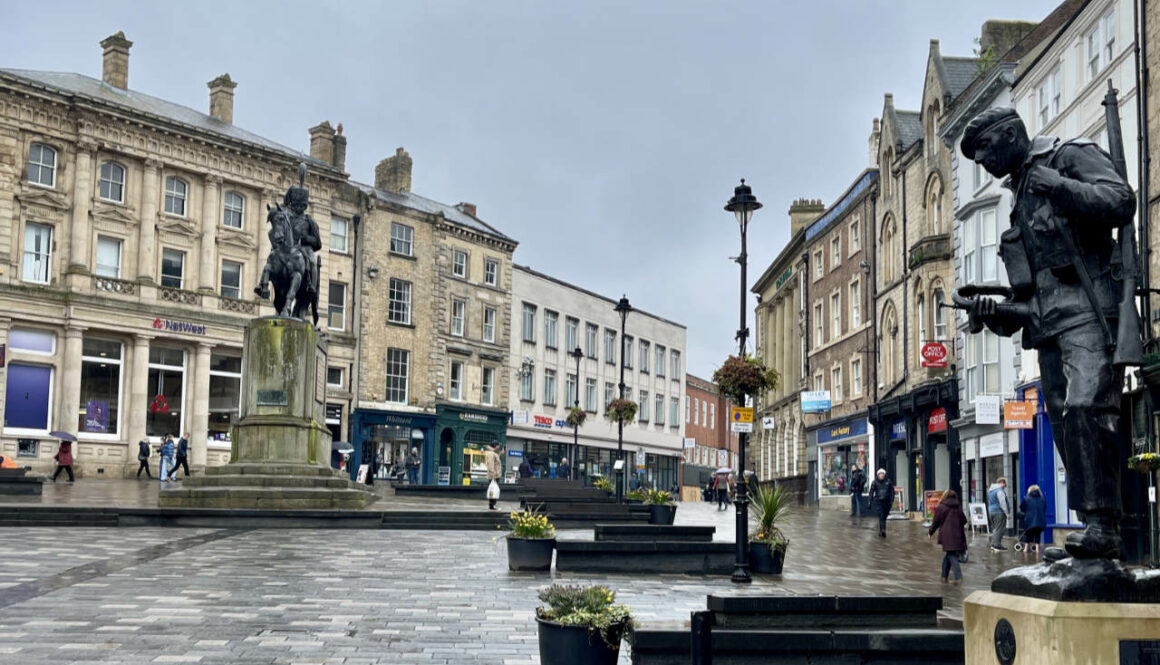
column 841, row 445
column 922, row 453
column 387, row 436
column 462, row 434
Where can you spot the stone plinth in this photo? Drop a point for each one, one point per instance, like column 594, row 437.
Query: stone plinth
column 281, row 449
column 1002, row 628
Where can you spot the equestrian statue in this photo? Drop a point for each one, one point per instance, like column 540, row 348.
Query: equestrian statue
column 292, row 267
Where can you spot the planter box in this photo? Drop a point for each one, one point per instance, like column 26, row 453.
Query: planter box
column 526, row 554
column 577, row 645
column 763, row 561
column 663, row 515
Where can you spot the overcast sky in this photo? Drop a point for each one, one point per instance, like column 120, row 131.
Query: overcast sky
column 605, row 136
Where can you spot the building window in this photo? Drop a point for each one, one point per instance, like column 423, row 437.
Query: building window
column 642, row 412
column 819, row 325
column 456, row 392
column 459, row 264
column 819, row 382
column 172, row 268
column 626, row 350
column 819, row 264
column 855, row 236
column 176, row 192
column 336, row 306
column 980, row 248
column 1101, row 44
column 41, row 165
column 590, row 332
column 696, row 411
column 37, row 252
column 934, row 208
column 704, row 413
column 590, row 395
column 686, row 409
column 835, row 252
column 108, row 257
column 982, row 360
column 28, row 398
column 659, row 409
column 402, row 238
column 644, row 354
column 836, row 380
column 570, row 388
column 676, row 357
column 232, row 279
column 487, row 386
column 100, row 405
column 836, row 315
column 610, row 347
column 855, row 377
column 491, row 272
column 549, row 387
column 338, row 234
column 660, row 361
column 399, row 305
column 529, row 323
column 234, row 210
column 166, row 392
column 609, row 393
column 855, row 304
column 32, row 340
column 225, row 394
column 111, row 186
column 398, row 366
column 674, row 411
column 920, row 313
column 939, row 314
column 458, row 314
column 1048, row 97
column 489, row 324
column 712, row 416
column 550, row 319
column 334, row 377
column 571, row 333
column 889, row 249
column 981, row 176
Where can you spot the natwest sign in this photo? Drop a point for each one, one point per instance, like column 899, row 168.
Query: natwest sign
column 934, row 354
column 178, row 326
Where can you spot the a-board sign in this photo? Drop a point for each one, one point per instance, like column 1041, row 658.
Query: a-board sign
column 978, row 514
column 444, row 475
column 930, row 501
column 362, row 473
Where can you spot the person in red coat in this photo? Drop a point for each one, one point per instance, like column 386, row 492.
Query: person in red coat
column 951, row 523
column 64, row 460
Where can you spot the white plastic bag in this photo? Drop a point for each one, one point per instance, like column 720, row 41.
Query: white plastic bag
column 493, row 490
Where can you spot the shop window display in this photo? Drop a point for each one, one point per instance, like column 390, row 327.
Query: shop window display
column 225, row 395
column 166, row 392
column 100, row 400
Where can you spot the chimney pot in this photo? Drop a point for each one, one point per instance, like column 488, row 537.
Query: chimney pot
column 322, row 142
column 221, row 98
column 115, row 65
column 468, row 208
column 393, row 174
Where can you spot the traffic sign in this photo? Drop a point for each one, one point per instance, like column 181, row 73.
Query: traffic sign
column 741, row 419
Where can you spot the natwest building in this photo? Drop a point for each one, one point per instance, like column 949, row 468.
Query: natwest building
column 550, row 319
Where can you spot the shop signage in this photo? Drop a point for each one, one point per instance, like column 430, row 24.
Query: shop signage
column 783, row 277
column 640, row 459
column 473, row 417
column 722, row 457
column 444, row 475
column 178, row 326
column 931, row 499
column 987, row 409
column 815, row 401
column 937, row 422
column 1018, row 415
column 898, row 429
column 991, row 445
column 519, row 417
column 515, row 453
column 740, row 419
column 768, row 422
column 934, row 354
column 396, row 420
column 841, row 431
column 690, row 443
column 96, row 416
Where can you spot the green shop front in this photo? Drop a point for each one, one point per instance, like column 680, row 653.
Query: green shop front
column 462, row 434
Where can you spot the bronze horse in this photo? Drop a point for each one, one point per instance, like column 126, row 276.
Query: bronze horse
column 286, row 269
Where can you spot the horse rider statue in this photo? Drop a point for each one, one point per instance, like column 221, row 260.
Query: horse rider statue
column 305, row 242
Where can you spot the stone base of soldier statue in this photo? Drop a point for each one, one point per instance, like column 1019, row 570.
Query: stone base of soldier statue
column 1004, row 629
column 281, row 450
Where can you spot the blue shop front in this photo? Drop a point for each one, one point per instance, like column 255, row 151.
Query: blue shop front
column 390, row 434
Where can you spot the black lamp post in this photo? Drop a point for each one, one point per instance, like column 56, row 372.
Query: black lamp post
column 576, row 353
column 622, row 308
column 742, row 205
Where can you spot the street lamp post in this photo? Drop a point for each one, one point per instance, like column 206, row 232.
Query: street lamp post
column 576, row 353
column 622, row 308
column 742, row 205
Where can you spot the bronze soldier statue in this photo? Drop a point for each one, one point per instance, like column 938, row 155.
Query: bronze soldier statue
column 295, row 282
column 1066, row 277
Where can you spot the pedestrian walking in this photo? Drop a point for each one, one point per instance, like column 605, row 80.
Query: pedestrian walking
column 494, row 473
column 525, row 468
column 881, row 495
column 563, row 471
column 412, row 461
column 719, row 490
column 857, row 487
column 951, row 523
column 64, row 460
column 166, row 458
column 1034, row 509
column 182, row 459
column 999, row 511
column 143, row 452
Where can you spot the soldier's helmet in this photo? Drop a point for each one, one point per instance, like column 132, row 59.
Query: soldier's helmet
column 296, row 195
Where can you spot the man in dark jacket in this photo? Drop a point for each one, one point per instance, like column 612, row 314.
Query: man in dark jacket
column 881, row 496
column 525, row 469
column 143, row 452
column 563, row 471
column 182, row 457
column 857, row 487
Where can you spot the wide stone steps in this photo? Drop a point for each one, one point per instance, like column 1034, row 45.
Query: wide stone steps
column 35, row 516
column 255, row 480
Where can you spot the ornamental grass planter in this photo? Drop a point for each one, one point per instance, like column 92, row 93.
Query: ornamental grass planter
column 578, row 645
column 764, row 561
column 530, row 554
column 660, row 514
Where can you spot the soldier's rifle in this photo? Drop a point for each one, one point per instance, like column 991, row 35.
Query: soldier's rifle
column 1129, row 349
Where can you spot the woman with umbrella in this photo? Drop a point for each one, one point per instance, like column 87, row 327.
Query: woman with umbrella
column 64, row 456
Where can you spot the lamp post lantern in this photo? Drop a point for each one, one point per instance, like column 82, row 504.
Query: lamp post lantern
column 742, row 205
column 622, row 308
column 575, row 353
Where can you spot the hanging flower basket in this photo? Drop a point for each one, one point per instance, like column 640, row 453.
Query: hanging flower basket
column 1145, row 462
column 576, row 417
column 621, row 410
column 743, row 376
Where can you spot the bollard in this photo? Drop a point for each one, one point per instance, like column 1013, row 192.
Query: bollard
column 702, row 638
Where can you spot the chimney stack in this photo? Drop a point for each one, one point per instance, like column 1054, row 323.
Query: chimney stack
column 999, row 37
column 322, row 142
column 115, row 67
column 393, row 174
column 468, row 208
column 875, row 141
column 339, row 161
column 803, row 212
column 221, row 98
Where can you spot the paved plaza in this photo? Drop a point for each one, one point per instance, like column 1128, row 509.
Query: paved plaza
column 217, row 596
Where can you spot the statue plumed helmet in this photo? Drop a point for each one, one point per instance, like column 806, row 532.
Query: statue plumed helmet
column 298, row 194
column 981, row 123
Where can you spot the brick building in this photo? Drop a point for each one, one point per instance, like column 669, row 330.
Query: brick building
column 709, row 443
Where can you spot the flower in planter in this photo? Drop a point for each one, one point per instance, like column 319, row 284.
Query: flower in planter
column 592, row 607
column 744, row 376
column 621, row 410
column 658, row 498
column 530, row 524
column 1145, row 462
column 576, row 417
column 602, row 483
column 636, row 495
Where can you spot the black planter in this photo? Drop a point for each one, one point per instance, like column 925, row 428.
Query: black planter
column 661, row 514
column 577, row 645
column 527, row 554
column 763, row 561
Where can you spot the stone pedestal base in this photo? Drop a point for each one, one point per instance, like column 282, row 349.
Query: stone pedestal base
column 1002, row 629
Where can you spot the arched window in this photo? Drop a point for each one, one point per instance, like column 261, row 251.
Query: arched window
column 920, row 315
column 939, row 314
column 934, row 220
column 235, row 210
column 888, row 249
column 175, row 194
column 42, row 165
column 889, row 347
column 112, row 184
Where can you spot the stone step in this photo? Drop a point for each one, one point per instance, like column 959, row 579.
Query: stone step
column 640, row 557
column 256, row 480
column 782, row 612
column 653, row 645
column 653, row 532
column 275, row 469
column 264, row 497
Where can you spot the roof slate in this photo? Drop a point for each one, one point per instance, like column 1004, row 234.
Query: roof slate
column 909, row 127
column 426, row 205
column 960, row 73
column 79, row 84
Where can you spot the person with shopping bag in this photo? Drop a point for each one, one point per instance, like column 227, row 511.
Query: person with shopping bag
column 494, row 473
